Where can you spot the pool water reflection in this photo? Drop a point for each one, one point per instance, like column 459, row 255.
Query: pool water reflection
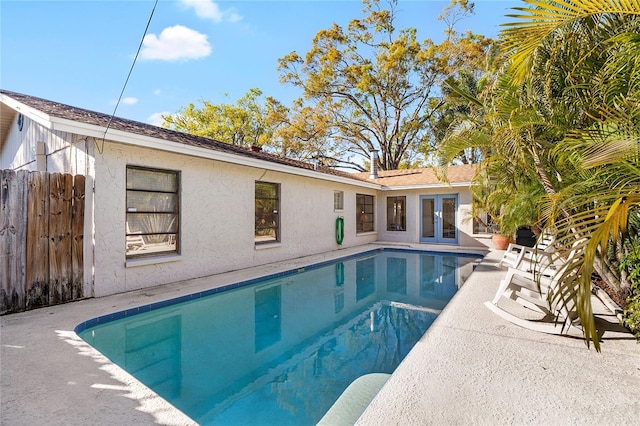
column 283, row 350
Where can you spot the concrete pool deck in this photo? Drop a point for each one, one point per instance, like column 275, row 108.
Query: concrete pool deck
column 471, row 367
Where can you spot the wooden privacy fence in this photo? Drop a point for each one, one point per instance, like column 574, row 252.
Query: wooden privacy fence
column 41, row 239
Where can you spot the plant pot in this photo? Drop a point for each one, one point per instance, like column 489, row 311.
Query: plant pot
column 501, row 242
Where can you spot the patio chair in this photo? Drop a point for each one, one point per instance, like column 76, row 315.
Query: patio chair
column 537, row 290
column 517, row 253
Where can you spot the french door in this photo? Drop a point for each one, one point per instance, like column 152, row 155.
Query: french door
column 438, row 219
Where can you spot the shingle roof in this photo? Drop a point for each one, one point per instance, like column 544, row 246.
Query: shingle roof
column 416, row 177
column 390, row 178
column 55, row 109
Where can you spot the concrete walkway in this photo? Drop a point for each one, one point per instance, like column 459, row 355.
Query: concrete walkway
column 470, row 368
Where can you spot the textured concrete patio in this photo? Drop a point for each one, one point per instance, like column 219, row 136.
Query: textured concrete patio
column 471, row 367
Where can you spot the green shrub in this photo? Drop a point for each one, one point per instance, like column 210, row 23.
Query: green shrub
column 631, row 314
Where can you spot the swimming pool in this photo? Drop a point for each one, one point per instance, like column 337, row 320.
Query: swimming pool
column 281, row 350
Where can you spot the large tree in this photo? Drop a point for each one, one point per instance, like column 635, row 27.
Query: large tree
column 241, row 123
column 301, row 132
column 377, row 87
column 298, row 132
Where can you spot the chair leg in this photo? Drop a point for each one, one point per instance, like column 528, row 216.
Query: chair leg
column 501, row 290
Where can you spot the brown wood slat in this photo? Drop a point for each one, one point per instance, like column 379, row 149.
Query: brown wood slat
column 21, row 237
column 10, row 280
column 77, row 238
column 61, row 193
column 37, row 260
column 41, row 239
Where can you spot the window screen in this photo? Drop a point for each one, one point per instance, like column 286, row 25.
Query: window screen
column 152, row 216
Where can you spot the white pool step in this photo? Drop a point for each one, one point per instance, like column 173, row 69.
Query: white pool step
column 354, row 400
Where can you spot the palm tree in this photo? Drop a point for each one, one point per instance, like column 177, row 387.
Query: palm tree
column 600, row 155
column 565, row 119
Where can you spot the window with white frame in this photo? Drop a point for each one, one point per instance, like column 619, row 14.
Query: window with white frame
column 365, row 207
column 338, row 200
column 267, row 212
column 153, row 212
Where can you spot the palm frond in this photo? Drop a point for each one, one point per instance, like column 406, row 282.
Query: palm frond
column 535, row 24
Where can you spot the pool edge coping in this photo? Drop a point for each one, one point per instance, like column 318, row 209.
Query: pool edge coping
column 103, row 319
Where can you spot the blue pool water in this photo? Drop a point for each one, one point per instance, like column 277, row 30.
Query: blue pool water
column 281, row 351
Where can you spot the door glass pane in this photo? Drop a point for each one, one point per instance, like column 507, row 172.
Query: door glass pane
column 428, row 223
column 449, row 218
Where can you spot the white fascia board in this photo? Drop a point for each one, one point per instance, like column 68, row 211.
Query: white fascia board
column 32, row 113
column 128, row 138
column 426, row 186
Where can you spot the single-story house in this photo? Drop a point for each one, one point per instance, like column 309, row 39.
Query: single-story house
column 163, row 206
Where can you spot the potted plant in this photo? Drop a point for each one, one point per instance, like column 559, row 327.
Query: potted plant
column 503, row 233
column 509, row 208
column 518, row 211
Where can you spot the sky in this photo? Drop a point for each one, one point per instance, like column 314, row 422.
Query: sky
column 80, row 52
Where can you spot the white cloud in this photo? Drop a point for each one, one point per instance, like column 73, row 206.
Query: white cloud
column 156, row 118
column 157, row 92
column 207, row 9
column 129, row 101
column 175, row 43
column 234, row 17
column 126, row 101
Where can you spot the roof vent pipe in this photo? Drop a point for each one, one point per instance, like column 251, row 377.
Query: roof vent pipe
column 374, row 164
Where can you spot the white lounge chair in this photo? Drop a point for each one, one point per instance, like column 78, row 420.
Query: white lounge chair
column 538, row 289
column 516, row 253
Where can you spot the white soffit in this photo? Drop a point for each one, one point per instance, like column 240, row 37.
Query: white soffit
column 34, row 114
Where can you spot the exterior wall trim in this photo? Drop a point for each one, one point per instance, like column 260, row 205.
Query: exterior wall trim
column 426, row 186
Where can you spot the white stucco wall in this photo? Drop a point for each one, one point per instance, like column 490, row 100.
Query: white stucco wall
column 464, row 222
column 216, row 216
column 217, row 210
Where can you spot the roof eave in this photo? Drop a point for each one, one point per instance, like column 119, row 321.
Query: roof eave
column 98, row 132
column 425, row 186
column 34, row 114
